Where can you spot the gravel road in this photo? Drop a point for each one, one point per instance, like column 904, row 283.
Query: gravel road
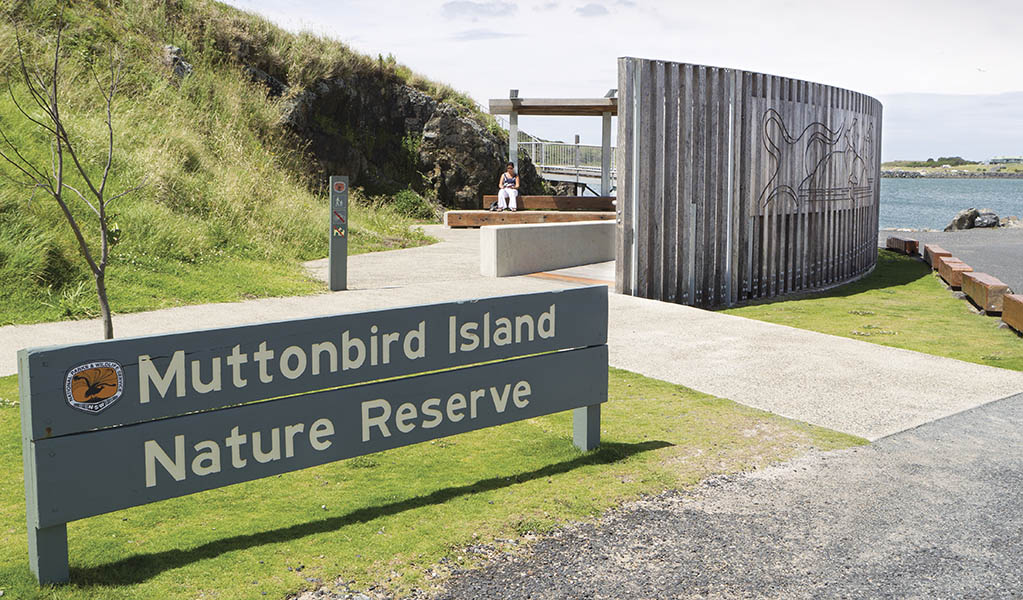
column 933, row 512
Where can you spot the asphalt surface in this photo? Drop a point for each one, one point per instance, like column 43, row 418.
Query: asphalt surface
column 998, row 252
column 933, row 512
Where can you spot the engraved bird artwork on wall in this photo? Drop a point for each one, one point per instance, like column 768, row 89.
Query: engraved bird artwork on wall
column 834, row 163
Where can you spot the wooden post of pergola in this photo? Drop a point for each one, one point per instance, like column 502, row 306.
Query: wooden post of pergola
column 560, row 107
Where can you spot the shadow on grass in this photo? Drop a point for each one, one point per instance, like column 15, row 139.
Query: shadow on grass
column 892, row 270
column 140, row 568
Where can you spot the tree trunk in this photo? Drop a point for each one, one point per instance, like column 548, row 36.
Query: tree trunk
column 104, row 307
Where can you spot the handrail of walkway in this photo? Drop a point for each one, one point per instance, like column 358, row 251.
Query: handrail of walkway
column 559, row 157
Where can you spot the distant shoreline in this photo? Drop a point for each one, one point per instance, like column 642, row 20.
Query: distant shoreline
column 899, row 174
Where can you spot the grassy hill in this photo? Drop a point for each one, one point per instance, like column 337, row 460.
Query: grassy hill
column 232, row 202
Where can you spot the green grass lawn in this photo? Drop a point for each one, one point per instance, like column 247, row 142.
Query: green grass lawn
column 232, row 202
column 139, row 280
column 900, row 304
column 390, row 518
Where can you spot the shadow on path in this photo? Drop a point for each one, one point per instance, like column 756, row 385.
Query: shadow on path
column 139, row 568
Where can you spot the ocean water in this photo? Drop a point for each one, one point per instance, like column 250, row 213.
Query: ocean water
column 927, row 203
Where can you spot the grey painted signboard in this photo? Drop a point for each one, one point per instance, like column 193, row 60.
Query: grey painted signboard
column 169, row 375
column 187, row 454
column 338, row 261
column 167, row 424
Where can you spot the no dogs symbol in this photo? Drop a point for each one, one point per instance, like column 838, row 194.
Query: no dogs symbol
column 339, row 187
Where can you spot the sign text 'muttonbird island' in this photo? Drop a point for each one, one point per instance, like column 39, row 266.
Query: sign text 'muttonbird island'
column 181, row 413
column 263, row 363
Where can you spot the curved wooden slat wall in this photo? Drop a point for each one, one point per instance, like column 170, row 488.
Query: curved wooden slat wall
column 735, row 185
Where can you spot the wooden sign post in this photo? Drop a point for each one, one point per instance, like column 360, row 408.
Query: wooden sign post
column 338, row 233
column 120, row 423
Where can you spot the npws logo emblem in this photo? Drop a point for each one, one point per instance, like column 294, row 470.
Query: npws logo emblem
column 94, row 386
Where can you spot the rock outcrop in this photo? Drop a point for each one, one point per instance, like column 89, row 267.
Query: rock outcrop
column 363, row 127
column 972, row 218
column 462, row 160
column 173, row 59
column 387, row 136
column 366, row 122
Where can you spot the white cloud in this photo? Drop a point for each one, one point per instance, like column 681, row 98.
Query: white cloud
column 881, row 47
column 466, row 9
column 474, row 35
column 591, row 10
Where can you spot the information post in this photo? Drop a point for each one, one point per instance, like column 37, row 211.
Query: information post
column 338, row 233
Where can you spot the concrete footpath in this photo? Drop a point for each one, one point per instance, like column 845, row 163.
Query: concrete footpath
column 848, row 385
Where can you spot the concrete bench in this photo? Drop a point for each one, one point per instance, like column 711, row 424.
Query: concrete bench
column 986, row 291
column 903, row 245
column 507, row 250
column 479, row 218
column 951, row 269
column 593, row 203
column 932, row 252
column 1012, row 311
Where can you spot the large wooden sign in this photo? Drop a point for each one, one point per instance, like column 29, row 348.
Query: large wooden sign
column 119, row 423
column 338, row 256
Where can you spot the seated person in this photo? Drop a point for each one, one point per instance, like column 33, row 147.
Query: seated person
column 509, row 189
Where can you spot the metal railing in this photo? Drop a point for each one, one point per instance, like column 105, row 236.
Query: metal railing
column 560, row 157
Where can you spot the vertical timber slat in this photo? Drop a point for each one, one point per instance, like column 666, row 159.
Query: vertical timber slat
column 741, row 183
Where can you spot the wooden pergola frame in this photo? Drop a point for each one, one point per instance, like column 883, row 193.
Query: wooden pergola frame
column 605, row 108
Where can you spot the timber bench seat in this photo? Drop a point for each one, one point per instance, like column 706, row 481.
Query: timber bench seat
column 986, row 291
column 1012, row 311
column 903, row 245
column 479, row 218
column 932, row 252
column 951, row 269
column 591, row 203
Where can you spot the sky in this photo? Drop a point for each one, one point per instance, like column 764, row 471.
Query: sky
column 945, row 70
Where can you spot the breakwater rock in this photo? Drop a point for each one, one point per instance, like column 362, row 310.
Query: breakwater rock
column 973, row 218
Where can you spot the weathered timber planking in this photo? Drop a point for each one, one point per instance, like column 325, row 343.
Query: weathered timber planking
column 700, row 156
column 951, row 269
column 712, row 213
column 655, row 229
column 671, row 176
column 742, row 199
column 759, row 185
column 1012, row 311
column 687, row 199
column 902, row 245
column 986, row 291
column 644, row 169
column 591, row 203
column 932, row 252
column 554, row 106
column 479, row 218
column 623, row 156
